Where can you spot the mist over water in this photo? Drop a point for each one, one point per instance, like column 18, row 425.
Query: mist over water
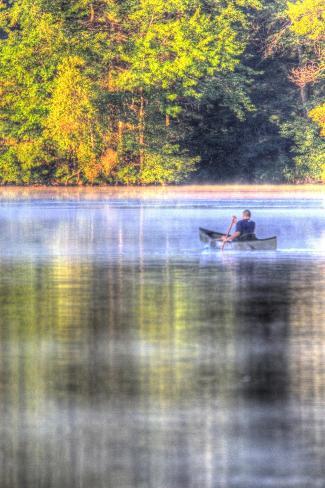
column 131, row 356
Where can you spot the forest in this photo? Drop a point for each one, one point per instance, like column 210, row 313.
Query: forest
column 140, row 92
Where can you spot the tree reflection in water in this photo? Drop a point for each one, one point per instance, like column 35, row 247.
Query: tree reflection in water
column 174, row 375
column 129, row 360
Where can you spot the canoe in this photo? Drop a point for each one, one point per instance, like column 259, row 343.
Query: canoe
column 213, row 238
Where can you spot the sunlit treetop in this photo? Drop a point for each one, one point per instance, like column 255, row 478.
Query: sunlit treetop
column 177, row 42
column 308, row 18
column 318, row 115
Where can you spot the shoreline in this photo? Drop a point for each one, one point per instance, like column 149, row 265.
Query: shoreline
column 206, row 186
column 211, row 192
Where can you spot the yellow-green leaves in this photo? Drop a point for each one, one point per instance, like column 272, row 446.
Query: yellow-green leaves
column 95, row 90
column 317, row 114
column 178, row 42
column 307, row 18
column 72, row 121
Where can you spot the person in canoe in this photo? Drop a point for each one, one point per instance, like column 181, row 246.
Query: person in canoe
column 245, row 229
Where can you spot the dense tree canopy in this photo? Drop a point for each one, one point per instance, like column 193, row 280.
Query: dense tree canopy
column 160, row 91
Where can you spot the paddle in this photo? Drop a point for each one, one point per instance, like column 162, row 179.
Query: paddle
column 233, row 220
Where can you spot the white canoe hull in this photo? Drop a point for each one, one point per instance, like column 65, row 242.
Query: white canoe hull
column 214, row 240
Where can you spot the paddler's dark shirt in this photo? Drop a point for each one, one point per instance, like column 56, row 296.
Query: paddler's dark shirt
column 245, row 227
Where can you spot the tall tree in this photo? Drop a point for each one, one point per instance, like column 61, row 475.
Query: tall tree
column 29, row 55
column 307, row 27
column 172, row 48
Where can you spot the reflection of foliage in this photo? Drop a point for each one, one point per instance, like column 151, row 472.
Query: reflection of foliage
column 49, row 310
column 172, row 318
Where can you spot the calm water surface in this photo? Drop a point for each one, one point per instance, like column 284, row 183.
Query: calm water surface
column 131, row 357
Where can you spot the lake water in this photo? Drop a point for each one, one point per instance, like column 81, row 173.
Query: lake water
column 132, row 357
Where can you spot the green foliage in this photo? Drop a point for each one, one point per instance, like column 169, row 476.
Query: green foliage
column 241, row 127
column 175, row 43
column 84, row 79
column 72, row 123
column 147, row 91
column 9, row 167
column 307, row 18
column 28, row 56
column 317, row 114
column 166, row 167
column 307, row 23
column 309, row 151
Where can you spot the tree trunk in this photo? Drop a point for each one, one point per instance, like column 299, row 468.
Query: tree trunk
column 119, row 134
column 303, row 88
column 141, row 130
column 303, row 97
column 92, row 13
